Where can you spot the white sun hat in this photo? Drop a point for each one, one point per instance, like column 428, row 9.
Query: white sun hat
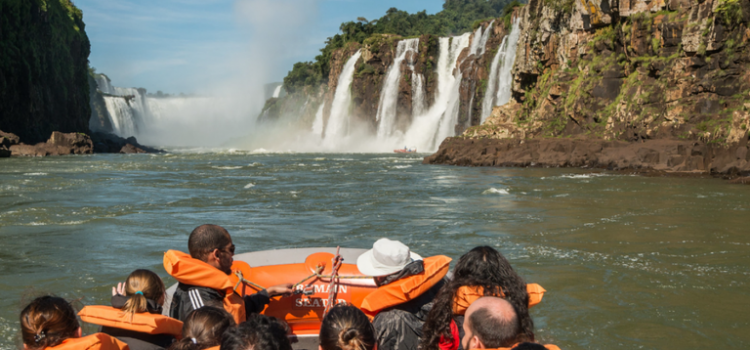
column 385, row 257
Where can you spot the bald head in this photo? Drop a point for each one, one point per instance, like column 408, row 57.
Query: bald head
column 491, row 323
column 207, row 238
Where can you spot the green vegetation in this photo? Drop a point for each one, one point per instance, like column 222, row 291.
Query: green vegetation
column 730, row 12
column 458, row 16
column 564, row 6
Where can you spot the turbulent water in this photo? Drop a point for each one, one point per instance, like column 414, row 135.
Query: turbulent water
column 628, row 262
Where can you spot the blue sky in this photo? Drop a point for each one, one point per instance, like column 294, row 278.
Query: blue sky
column 187, row 45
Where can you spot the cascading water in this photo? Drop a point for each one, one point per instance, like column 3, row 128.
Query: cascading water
column 277, row 91
column 500, row 83
column 479, row 40
column 439, row 120
column 417, row 94
column 338, row 122
column 317, row 126
column 103, row 84
column 386, row 116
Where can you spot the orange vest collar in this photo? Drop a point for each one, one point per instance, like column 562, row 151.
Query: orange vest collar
column 194, row 272
column 142, row 323
column 467, row 295
column 214, row 348
column 548, row 346
column 405, row 289
column 98, row 341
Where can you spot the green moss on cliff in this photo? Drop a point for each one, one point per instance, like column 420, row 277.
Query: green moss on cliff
column 44, row 84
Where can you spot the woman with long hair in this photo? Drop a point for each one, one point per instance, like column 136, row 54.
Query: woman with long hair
column 50, row 322
column 135, row 315
column 203, row 329
column 483, row 271
column 346, row 328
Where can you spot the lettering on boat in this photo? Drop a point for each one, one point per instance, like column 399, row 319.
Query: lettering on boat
column 315, row 302
column 324, row 288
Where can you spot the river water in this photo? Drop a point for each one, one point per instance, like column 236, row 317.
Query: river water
column 628, row 261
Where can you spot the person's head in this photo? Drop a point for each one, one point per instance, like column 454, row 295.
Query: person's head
column 491, row 323
column 259, row 332
column 203, row 328
column 346, row 328
column 47, row 321
column 386, row 258
column 213, row 245
column 141, row 287
column 488, row 269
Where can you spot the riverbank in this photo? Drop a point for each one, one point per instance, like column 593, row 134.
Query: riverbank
column 670, row 157
column 60, row 144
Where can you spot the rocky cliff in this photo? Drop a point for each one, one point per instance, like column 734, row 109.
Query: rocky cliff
column 619, row 73
column 43, row 68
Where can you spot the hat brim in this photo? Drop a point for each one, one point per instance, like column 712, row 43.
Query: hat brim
column 368, row 266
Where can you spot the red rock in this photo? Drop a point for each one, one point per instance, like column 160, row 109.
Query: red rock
column 130, row 149
column 59, row 144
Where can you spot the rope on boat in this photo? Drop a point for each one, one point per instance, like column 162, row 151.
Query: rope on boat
column 336, row 261
column 333, row 286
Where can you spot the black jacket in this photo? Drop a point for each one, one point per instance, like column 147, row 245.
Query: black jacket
column 188, row 298
column 400, row 327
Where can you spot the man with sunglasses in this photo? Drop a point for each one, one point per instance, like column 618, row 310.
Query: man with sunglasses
column 213, row 245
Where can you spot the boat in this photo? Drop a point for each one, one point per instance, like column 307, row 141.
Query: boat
column 304, row 309
column 405, row 150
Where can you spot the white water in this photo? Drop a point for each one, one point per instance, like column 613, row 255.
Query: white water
column 417, row 94
column 317, row 126
column 120, row 116
column 500, row 83
column 277, row 92
column 387, row 108
column 479, row 40
column 104, row 84
column 338, row 122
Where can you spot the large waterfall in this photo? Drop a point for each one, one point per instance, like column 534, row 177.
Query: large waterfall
column 338, row 122
column 500, row 83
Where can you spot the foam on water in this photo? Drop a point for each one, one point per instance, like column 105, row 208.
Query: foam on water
column 250, row 185
column 496, row 191
column 35, row 174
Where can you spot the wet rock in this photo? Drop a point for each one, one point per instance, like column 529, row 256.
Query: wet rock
column 7, row 139
column 110, row 143
column 130, row 149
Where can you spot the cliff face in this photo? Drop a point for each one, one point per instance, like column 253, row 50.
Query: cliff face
column 44, row 83
column 629, row 70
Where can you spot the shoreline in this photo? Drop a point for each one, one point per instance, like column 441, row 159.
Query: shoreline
column 652, row 158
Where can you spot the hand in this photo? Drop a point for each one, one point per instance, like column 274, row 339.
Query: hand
column 119, row 290
column 281, row 289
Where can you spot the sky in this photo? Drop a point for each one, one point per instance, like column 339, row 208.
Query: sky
column 192, row 46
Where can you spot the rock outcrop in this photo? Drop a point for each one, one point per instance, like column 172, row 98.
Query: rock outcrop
column 44, row 54
column 59, row 144
column 617, row 76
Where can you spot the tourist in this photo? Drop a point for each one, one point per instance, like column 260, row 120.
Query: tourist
column 400, row 313
column 203, row 329
column 50, row 322
column 346, row 328
column 481, row 271
column 260, row 332
column 492, row 323
column 135, row 315
column 205, row 276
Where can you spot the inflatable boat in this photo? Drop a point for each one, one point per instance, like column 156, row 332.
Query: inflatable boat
column 304, row 309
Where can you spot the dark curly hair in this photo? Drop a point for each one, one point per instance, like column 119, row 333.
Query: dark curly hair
column 259, row 332
column 482, row 267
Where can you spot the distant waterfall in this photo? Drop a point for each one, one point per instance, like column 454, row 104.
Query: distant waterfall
column 479, row 41
column 104, row 84
column 126, row 107
column 499, row 85
column 317, row 126
column 438, row 122
column 386, row 116
column 338, row 122
column 277, row 92
column 417, row 94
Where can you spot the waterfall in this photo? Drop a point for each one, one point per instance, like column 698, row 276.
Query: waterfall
column 387, row 108
column 103, row 84
column 499, row 84
column 120, row 116
column 277, row 91
column 439, row 120
column 317, row 126
column 417, row 94
column 483, row 40
column 338, row 122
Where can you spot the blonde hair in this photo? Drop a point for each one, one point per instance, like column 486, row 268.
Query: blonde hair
column 140, row 286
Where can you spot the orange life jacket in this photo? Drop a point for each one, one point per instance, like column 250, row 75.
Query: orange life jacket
column 467, row 295
column 548, row 346
column 194, row 272
column 142, row 322
column 408, row 288
column 214, row 347
column 98, row 341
